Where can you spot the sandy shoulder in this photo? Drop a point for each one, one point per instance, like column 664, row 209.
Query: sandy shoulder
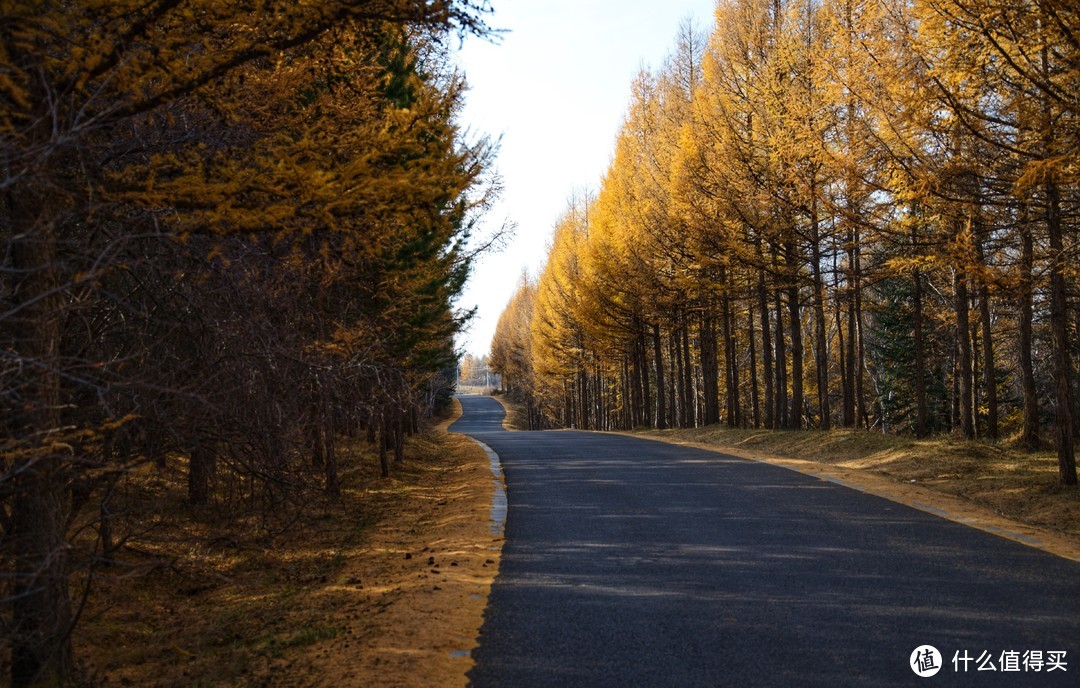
column 424, row 578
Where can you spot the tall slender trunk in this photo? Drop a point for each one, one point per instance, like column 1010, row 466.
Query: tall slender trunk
column 795, row 316
column 857, row 333
column 850, row 369
column 821, row 344
column 989, row 371
column 766, row 349
column 1059, row 325
column 202, row 465
column 330, row 472
column 678, row 397
column 41, row 608
column 920, row 355
column 661, row 392
column 846, row 419
column 584, row 405
column 976, row 359
column 399, row 436
column 384, row 443
column 709, row 371
column 781, row 364
column 672, row 385
column 755, row 392
column 954, row 405
column 314, row 438
column 690, row 397
column 852, row 187
column 730, row 393
column 646, row 383
column 963, row 342
column 1030, row 431
column 1063, row 421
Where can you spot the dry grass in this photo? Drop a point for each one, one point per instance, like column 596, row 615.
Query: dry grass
column 1017, row 485
column 516, row 416
column 378, row 588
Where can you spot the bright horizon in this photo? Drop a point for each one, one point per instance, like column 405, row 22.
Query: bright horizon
column 555, row 88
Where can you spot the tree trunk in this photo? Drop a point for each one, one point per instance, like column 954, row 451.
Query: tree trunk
column 41, row 610
column 674, row 378
column 371, row 422
column 399, row 436
column 920, row 356
column 1059, row 325
column 781, row 364
column 963, row 341
column 989, row 372
column 710, row 372
column 755, row 393
column 821, row 344
column 1059, row 311
column 384, row 444
column 766, row 349
column 646, row 384
column 315, row 443
column 41, row 617
column 730, row 393
column 838, row 313
column 795, row 317
column 850, row 404
column 202, row 465
column 333, row 486
column 661, row 392
column 689, row 388
column 1030, row 432
column 862, row 414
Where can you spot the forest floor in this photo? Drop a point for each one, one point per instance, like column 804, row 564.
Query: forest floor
column 385, row 587
column 992, row 486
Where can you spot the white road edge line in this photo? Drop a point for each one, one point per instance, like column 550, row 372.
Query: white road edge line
column 498, row 497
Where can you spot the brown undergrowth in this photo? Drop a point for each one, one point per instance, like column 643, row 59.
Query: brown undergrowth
column 384, row 587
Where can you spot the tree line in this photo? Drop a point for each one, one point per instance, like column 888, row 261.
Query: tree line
column 822, row 213
column 233, row 232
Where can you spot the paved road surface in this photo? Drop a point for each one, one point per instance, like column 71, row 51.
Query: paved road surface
column 630, row 562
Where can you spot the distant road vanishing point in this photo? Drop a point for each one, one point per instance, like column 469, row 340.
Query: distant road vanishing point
column 630, row 562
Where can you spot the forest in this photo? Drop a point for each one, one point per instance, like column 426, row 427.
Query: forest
column 233, row 233
column 827, row 213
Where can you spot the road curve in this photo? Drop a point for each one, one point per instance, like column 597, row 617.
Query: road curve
column 630, row 562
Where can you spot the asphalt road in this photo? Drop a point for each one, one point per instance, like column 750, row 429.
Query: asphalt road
column 630, row 562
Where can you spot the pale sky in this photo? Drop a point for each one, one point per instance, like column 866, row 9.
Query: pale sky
column 555, row 88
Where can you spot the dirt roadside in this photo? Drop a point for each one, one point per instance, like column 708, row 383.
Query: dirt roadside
column 433, row 570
